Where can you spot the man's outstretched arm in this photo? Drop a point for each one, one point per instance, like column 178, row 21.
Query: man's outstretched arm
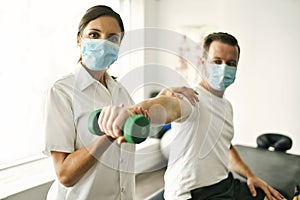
column 160, row 110
column 165, row 109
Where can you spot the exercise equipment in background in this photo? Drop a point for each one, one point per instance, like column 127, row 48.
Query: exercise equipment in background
column 278, row 141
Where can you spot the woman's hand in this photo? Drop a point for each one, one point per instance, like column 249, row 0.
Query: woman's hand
column 179, row 92
column 112, row 118
column 111, row 121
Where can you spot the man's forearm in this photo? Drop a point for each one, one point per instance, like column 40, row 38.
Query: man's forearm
column 165, row 109
column 237, row 165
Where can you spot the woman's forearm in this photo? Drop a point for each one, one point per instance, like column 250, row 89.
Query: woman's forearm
column 71, row 167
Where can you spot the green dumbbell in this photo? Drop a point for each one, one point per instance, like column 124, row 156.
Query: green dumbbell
column 135, row 130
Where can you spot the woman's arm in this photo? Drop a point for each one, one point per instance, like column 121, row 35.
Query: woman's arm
column 70, row 167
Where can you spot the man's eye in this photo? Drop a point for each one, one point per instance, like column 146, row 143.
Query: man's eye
column 217, row 62
column 232, row 64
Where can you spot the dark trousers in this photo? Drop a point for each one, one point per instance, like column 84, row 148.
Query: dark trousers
column 228, row 189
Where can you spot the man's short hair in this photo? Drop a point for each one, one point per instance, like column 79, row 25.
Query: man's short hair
column 222, row 37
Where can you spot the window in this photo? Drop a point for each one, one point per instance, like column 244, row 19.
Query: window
column 38, row 45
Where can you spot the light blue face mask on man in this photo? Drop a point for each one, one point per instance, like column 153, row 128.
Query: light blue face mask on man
column 219, row 77
column 98, row 54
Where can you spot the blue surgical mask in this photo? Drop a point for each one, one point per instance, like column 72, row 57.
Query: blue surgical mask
column 98, row 54
column 219, row 77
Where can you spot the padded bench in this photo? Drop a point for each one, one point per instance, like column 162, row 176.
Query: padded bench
column 279, row 169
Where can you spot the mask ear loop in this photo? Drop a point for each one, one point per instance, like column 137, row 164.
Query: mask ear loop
column 206, row 62
column 79, row 45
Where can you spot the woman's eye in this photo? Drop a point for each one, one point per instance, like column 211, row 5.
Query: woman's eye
column 94, row 35
column 114, row 39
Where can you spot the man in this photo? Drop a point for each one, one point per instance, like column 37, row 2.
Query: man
column 201, row 156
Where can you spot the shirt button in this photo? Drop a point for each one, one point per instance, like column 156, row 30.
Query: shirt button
column 122, row 189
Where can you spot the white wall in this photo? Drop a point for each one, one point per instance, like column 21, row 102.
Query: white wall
column 265, row 96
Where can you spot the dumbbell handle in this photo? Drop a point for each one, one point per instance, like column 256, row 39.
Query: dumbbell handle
column 135, row 130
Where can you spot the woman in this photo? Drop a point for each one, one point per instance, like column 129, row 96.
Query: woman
column 88, row 166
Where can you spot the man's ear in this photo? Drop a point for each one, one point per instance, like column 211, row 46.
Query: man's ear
column 203, row 63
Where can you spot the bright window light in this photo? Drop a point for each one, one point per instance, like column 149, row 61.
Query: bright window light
column 38, row 46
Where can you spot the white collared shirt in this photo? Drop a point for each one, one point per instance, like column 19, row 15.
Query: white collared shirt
column 67, row 108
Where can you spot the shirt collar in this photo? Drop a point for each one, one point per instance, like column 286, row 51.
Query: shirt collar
column 83, row 79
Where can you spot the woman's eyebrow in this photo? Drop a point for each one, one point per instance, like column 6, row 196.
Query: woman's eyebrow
column 98, row 30
column 95, row 29
column 112, row 34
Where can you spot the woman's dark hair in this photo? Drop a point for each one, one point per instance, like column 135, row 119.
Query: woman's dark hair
column 98, row 11
column 222, row 37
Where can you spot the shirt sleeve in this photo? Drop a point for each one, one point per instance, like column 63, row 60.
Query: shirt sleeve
column 60, row 133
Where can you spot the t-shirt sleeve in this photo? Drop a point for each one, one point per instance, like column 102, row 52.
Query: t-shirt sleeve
column 60, row 133
column 190, row 114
